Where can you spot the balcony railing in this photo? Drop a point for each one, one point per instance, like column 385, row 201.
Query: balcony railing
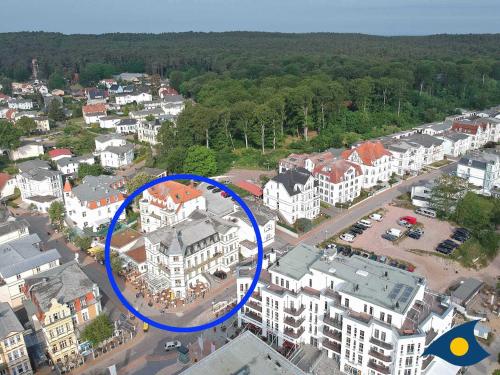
column 254, row 306
column 294, row 312
column 331, row 345
column 335, row 335
column 379, row 368
column 199, row 265
column 295, row 323
column 252, row 316
column 381, row 344
column 335, row 323
column 293, row 335
column 257, row 296
column 379, row 356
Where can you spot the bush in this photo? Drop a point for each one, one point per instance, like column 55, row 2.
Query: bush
column 303, row 225
column 100, row 329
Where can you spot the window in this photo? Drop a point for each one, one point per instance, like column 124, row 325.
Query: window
column 382, row 336
column 389, row 318
column 409, row 361
column 382, row 316
column 410, row 348
column 348, row 329
column 361, row 335
column 346, row 302
column 376, row 334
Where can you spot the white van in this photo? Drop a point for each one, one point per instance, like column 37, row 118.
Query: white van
column 376, row 217
column 366, row 223
column 394, row 232
column 425, row 212
column 171, row 345
column 347, row 237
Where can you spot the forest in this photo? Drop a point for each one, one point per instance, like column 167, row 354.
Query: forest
column 261, row 95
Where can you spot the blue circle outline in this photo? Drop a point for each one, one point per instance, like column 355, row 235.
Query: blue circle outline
column 121, row 297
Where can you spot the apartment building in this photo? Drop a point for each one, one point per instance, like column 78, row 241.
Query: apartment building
column 478, row 129
column 11, row 228
column 455, row 144
column 14, row 358
column 94, row 202
column 127, row 126
column 147, row 131
column 70, row 286
column 178, row 257
column 169, row 203
column 22, row 258
column 113, row 151
column 481, row 168
column 93, row 112
column 375, row 162
column 339, row 181
column 133, row 97
column 370, row 317
column 8, row 185
column 294, row 194
column 39, row 185
column 69, row 166
column 306, row 161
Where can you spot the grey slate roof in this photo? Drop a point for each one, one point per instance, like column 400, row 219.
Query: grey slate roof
column 107, row 137
column 33, row 164
column 261, row 213
column 23, row 254
column 173, row 98
column 467, row 289
column 292, row 177
column 296, row 262
column 65, row 283
column 454, row 136
column 425, row 140
column 119, row 150
column 9, row 323
column 96, row 187
column 480, row 159
column 127, row 121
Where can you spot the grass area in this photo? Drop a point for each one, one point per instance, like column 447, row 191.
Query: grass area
column 253, row 158
column 325, row 205
column 470, row 254
column 241, row 192
column 440, row 163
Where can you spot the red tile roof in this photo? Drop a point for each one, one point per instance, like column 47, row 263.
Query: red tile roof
column 138, row 254
column 468, row 127
column 59, row 152
column 368, row 152
column 251, row 188
column 67, row 187
column 179, row 193
column 168, row 91
column 4, row 177
column 336, row 170
column 94, row 108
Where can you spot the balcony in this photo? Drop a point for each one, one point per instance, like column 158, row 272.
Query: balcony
column 379, row 368
column 379, row 356
column 335, row 335
column 331, row 345
column 293, row 335
column 360, row 317
column 256, row 296
column 335, row 323
column 295, row 323
column 164, row 268
column 294, row 312
column 208, row 261
column 252, row 317
column 254, row 306
column 381, row 344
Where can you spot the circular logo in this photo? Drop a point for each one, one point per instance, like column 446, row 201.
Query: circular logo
column 154, row 323
column 459, row 346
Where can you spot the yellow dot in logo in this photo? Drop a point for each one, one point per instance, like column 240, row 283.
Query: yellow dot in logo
column 459, row 346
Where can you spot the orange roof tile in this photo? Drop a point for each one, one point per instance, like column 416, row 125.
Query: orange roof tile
column 94, row 108
column 67, row 186
column 178, row 192
column 4, row 177
column 368, row 152
column 336, row 170
column 138, row 254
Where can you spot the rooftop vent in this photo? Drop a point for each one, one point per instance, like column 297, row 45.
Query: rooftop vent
column 361, row 273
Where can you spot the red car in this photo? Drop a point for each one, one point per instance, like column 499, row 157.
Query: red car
column 224, row 194
column 409, row 219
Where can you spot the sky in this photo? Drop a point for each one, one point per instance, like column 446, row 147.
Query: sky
column 381, row 17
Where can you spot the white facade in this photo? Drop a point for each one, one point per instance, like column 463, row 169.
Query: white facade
column 339, row 181
column 294, row 195
column 169, row 203
column 39, row 182
column 70, row 165
column 481, row 169
column 127, row 126
column 20, row 104
column 128, row 98
column 8, row 187
column 455, row 144
column 94, row 202
column 421, row 195
column 29, row 150
column 372, row 318
column 114, row 151
column 148, row 132
column 108, row 122
column 407, row 157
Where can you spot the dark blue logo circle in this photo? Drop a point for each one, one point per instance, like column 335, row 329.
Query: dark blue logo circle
column 121, row 297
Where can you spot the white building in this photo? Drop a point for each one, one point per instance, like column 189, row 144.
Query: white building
column 21, row 259
column 481, row 168
column 478, row 129
column 294, row 194
column 39, row 185
column 306, row 161
column 108, row 122
column 20, row 104
column 421, row 195
column 455, row 144
column 127, row 126
column 173, row 104
column 147, row 131
column 94, row 202
column 370, row 317
column 113, row 151
column 133, row 97
column 8, row 185
column 93, row 112
column 339, row 181
column 375, row 162
column 42, row 123
column 169, row 203
column 407, row 157
column 26, row 150
column 178, row 257
column 69, row 165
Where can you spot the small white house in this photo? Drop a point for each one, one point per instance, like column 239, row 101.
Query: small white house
column 481, row 168
column 108, row 122
column 134, row 97
column 114, row 151
column 127, row 126
column 20, row 104
column 93, row 112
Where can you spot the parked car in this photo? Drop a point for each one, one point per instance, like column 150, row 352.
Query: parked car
column 210, row 187
column 373, row 257
column 459, row 237
column 145, row 327
column 394, row 232
column 444, row 250
column 383, row 259
column 356, row 230
column 462, row 232
column 172, row 345
column 389, row 237
column 225, row 194
column 426, row 212
column 414, row 235
column 360, row 226
column 409, row 219
column 347, row 237
column 376, row 217
column 365, row 223
column 451, row 243
column 220, row 274
column 216, row 190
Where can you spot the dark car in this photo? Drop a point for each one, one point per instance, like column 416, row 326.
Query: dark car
column 224, row 194
column 443, row 250
column 359, row 226
column 210, row 187
column 402, row 266
column 414, row 235
column 451, row 243
column 356, row 230
column 459, row 238
column 365, row 255
column 393, row 263
column 216, row 190
column 389, row 237
column 220, row 274
column 462, row 232
column 373, row 257
column 449, row 246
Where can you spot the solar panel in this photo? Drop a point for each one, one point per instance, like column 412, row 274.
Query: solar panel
column 395, row 290
column 406, row 294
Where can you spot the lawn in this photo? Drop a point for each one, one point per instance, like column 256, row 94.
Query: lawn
column 253, row 158
column 440, row 163
column 471, row 254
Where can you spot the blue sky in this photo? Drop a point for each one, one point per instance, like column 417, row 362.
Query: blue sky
column 383, row 17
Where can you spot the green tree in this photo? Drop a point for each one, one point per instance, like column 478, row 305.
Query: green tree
column 56, row 81
column 116, row 262
column 10, row 136
column 201, row 161
column 57, row 213
column 56, row 111
column 445, row 194
column 89, row 170
column 83, row 243
column 26, row 124
column 97, row 331
column 136, row 182
column 475, row 212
